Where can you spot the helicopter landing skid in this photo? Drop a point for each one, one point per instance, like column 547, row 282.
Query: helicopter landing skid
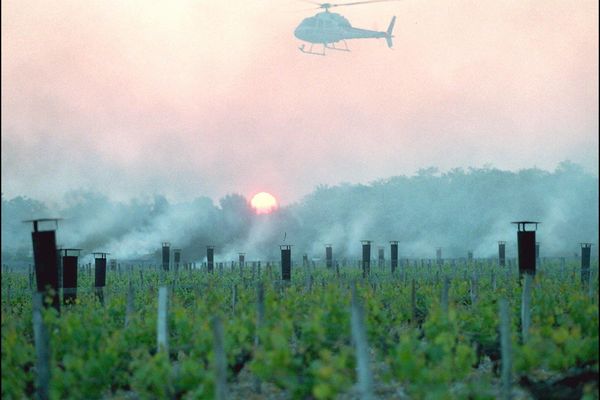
column 310, row 50
column 332, row 47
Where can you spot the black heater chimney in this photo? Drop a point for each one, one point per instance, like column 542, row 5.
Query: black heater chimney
column 166, row 247
column 100, row 274
column 69, row 261
column 176, row 258
column 366, row 257
column 502, row 253
column 394, row 254
column 380, row 256
column 286, row 262
column 328, row 256
column 526, row 247
column 586, row 250
column 45, row 258
column 241, row 260
column 210, row 258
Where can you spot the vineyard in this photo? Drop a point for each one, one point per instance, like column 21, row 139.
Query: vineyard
column 422, row 332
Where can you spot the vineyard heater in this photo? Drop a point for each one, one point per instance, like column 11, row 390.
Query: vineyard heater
column 328, row 256
column 166, row 251
column 526, row 246
column 586, row 250
column 366, row 257
column 394, row 254
column 210, row 258
column 286, row 262
column 176, row 258
column 502, row 253
column 45, row 258
column 69, row 263
column 100, row 274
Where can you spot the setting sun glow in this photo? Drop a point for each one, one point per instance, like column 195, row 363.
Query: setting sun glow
column 263, row 203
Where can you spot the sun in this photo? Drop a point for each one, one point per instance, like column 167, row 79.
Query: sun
column 263, row 203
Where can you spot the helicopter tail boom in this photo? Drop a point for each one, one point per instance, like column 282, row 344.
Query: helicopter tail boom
column 388, row 33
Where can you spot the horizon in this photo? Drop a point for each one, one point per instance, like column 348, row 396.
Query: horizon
column 59, row 201
column 456, row 210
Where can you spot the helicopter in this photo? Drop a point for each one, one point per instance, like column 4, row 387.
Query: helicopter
column 328, row 28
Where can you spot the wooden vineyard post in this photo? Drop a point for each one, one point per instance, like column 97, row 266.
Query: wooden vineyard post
column 474, row 288
column 241, row 261
column 505, row 351
column 444, row 300
column 221, row 392
column 30, row 278
column 591, row 287
column 413, row 303
column 526, row 308
column 130, row 304
column 359, row 336
column 309, row 282
column 42, row 350
column 233, row 297
column 260, row 315
column 161, row 322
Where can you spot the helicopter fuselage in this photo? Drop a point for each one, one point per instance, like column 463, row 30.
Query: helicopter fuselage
column 327, row 27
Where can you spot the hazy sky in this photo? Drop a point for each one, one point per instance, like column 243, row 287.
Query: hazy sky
column 190, row 98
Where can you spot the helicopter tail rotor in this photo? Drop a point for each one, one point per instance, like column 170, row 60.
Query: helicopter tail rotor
column 388, row 33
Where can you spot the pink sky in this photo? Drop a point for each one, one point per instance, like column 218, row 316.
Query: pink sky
column 193, row 98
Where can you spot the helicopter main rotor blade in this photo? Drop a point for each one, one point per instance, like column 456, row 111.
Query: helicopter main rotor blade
column 358, row 2
column 311, row 2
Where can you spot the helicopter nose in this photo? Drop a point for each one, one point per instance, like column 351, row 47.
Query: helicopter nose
column 300, row 33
